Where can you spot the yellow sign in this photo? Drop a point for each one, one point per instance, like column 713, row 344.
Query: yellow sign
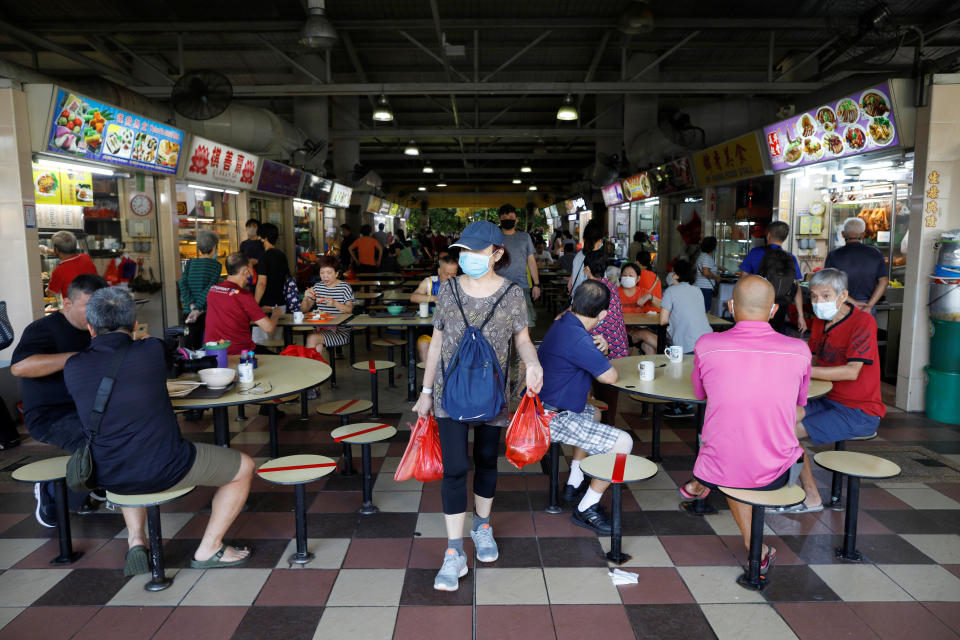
column 63, row 187
column 730, row 161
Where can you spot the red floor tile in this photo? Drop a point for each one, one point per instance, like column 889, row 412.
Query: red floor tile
column 949, row 489
column 952, row 568
column 947, row 612
column 431, row 502
column 264, row 525
column 511, row 482
column 695, row 551
column 655, row 585
column 124, row 623
column 111, row 555
column 552, row 525
column 818, row 620
column 297, row 588
column 865, row 522
column 377, row 553
column 7, row 520
column 576, row 622
column 336, row 502
column 511, row 524
column 897, row 620
column 536, row 482
column 194, row 501
column 47, row 623
column 209, row 623
column 433, row 623
column 515, row 623
column 879, row 499
column 40, row 559
column 785, row 554
column 805, row 524
column 427, row 553
column 627, row 503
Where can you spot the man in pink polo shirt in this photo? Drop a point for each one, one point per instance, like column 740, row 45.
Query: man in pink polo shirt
column 754, row 379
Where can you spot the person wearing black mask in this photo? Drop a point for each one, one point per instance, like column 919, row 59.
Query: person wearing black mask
column 522, row 259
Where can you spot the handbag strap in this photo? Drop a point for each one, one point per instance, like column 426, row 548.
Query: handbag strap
column 106, row 388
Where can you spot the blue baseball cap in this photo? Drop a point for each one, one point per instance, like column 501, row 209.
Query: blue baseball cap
column 480, row 235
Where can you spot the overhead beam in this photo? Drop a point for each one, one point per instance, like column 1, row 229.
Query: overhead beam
column 519, row 132
column 517, row 55
column 293, row 63
column 149, row 63
column 471, row 155
column 430, row 53
column 507, row 173
column 663, row 56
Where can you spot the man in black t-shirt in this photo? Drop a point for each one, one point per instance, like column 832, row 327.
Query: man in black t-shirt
column 864, row 265
column 48, row 410
column 274, row 268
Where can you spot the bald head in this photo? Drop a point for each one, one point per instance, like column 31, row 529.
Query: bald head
column 752, row 299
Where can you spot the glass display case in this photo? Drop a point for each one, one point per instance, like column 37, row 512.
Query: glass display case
column 734, row 241
column 206, row 208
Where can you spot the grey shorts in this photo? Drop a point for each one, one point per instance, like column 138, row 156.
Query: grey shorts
column 581, row 430
column 213, row 467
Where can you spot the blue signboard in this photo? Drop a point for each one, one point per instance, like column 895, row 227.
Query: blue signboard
column 86, row 128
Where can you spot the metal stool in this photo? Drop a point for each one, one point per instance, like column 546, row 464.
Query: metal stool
column 365, row 434
column 855, row 466
column 373, row 366
column 344, row 409
column 272, row 421
column 53, row 470
column 152, row 502
column 836, row 485
column 390, row 344
column 655, row 443
column 298, row 470
column 760, row 500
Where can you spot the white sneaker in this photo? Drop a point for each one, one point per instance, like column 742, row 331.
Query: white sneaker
column 485, row 544
column 454, row 567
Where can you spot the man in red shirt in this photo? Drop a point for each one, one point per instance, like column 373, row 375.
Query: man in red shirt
column 231, row 309
column 843, row 341
column 72, row 263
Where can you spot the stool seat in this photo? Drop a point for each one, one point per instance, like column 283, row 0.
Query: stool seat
column 296, row 469
column 146, row 499
column 42, row 470
column 344, row 407
column 284, row 400
column 599, row 404
column 783, row 497
column 603, row 467
column 388, row 342
column 373, row 365
column 363, row 433
column 853, row 463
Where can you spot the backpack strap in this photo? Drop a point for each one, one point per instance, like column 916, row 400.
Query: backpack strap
column 494, row 307
column 105, row 389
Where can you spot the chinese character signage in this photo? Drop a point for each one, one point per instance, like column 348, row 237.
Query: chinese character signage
column 216, row 163
column 340, row 196
column 575, row 204
column 850, row 126
column 316, row 188
column 637, row 187
column 279, row 178
column 672, row 177
column 373, row 204
column 612, row 194
column 729, row 161
column 85, row 128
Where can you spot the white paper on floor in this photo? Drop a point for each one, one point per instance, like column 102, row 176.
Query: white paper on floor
column 623, row 577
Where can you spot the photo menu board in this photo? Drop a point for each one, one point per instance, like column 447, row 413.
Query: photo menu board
column 315, row 188
column 86, row 128
column 279, row 178
column 340, row 196
column 612, row 194
column 855, row 124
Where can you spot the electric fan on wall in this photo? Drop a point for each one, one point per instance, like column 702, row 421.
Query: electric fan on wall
column 201, row 95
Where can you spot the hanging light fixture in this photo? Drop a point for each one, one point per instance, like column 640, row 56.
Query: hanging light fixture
column 382, row 111
column 525, row 167
column 428, row 168
column 532, row 187
column 567, row 110
column 411, row 149
column 421, row 188
column 516, row 181
column 318, row 33
column 441, row 182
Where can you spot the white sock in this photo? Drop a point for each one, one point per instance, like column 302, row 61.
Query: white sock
column 576, row 476
column 590, row 498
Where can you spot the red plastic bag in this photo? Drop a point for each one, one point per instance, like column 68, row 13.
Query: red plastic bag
column 528, row 436
column 405, row 468
column 300, row 351
column 423, row 458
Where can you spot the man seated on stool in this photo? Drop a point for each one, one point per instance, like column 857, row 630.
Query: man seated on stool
column 427, row 292
column 571, row 359
column 139, row 448
column 748, row 439
column 843, row 341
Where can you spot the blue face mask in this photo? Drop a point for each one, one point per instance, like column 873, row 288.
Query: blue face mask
column 474, row 265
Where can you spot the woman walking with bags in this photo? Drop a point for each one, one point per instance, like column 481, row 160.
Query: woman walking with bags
column 464, row 385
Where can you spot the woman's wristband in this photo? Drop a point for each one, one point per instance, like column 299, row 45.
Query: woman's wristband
column 427, row 390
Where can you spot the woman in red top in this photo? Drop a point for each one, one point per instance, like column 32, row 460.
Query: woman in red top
column 648, row 284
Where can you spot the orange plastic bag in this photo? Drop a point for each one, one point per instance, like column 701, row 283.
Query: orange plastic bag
column 429, row 466
column 528, row 436
column 300, row 351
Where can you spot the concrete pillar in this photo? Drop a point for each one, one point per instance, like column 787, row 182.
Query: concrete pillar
column 639, row 111
column 346, row 151
column 311, row 114
column 934, row 208
column 168, row 238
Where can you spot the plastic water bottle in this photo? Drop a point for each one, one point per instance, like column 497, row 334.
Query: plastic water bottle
column 245, row 371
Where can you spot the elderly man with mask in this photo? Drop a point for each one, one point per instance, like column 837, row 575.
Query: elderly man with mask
column 866, row 271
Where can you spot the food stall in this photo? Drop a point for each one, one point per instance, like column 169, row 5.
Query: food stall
column 212, row 193
column 273, row 180
column 851, row 157
column 95, row 172
column 644, row 208
column 308, row 213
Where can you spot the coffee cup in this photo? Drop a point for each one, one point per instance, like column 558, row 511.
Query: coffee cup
column 424, row 310
column 674, row 353
column 645, row 368
column 298, row 316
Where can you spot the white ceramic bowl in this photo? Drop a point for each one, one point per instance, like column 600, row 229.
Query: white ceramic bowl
column 217, row 378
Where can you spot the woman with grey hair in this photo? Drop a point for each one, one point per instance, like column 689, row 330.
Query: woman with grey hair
column 198, row 276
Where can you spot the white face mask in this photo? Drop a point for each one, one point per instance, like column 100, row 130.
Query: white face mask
column 628, row 282
column 825, row 310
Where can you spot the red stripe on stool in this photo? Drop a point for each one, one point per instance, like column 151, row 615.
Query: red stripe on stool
column 618, row 467
column 360, row 433
column 371, row 367
column 344, row 407
column 300, row 466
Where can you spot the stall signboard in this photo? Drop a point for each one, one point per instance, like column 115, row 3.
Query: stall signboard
column 315, row 188
column 373, row 205
column 855, row 124
column 406, row 213
column 74, row 188
column 384, row 207
column 573, row 205
column 730, row 161
column 637, row 187
column 340, row 196
column 86, row 128
column 394, row 209
column 672, row 177
column 279, row 179
column 613, row 194
column 219, row 164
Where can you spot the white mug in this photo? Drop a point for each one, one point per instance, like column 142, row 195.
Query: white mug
column 646, row 370
column 424, row 309
column 674, row 353
column 298, row 316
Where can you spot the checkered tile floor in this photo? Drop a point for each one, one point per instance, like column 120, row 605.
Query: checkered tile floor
column 373, row 575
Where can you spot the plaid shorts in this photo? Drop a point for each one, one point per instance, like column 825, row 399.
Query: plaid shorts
column 580, row 430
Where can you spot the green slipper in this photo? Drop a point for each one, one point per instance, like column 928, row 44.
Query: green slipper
column 213, row 562
column 137, row 561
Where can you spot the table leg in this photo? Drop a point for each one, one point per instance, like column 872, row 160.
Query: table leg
column 366, row 507
column 849, row 549
column 411, row 365
column 241, row 413
column 221, row 427
column 67, row 554
column 751, row 578
column 287, row 335
column 375, row 413
column 554, row 506
column 836, row 484
column 274, row 444
column 304, row 409
column 655, row 446
column 390, row 374
column 302, row 556
column 701, row 413
column 616, row 554
column 159, row 581
column 353, row 347
column 333, row 367
column 661, row 337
